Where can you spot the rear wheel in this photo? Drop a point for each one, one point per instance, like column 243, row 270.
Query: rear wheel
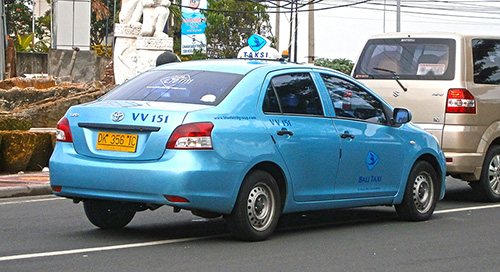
column 488, row 187
column 257, row 209
column 421, row 193
column 107, row 214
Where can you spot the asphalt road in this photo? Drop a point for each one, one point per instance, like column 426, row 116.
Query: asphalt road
column 52, row 234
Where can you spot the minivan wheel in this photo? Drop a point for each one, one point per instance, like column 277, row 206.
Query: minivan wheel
column 257, row 209
column 488, row 187
column 107, row 214
column 421, row 193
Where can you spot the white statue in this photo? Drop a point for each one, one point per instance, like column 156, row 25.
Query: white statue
column 138, row 45
column 154, row 15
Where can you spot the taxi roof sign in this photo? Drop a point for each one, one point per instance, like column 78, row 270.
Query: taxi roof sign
column 258, row 48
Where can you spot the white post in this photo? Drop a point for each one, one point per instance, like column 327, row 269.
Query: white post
column 3, row 40
column 398, row 16
column 71, row 24
column 310, row 58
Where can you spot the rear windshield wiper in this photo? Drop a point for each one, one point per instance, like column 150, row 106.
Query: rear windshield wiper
column 396, row 77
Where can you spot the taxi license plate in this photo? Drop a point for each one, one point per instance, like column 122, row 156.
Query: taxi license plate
column 116, row 142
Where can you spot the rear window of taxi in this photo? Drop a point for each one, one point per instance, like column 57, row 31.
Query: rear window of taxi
column 179, row 86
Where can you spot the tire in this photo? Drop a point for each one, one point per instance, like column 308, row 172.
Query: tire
column 257, row 209
column 107, row 214
column 421, row 193
column 488, row 187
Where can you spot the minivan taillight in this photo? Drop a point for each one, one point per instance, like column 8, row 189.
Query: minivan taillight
column 460, row 101
column 192, row 136
column 63, row 132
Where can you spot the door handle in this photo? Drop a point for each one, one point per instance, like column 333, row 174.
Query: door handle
column 284, row 132
column 346, row 135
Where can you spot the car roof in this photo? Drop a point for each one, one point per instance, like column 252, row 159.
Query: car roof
column 235, row 66
column 449, row 35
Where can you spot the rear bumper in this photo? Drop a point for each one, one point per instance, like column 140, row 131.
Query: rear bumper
column 207, row 181
column 467, row 165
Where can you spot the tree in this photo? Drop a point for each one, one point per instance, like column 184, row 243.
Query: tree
column 101, row 21
column 19, row 17
column 230, row 23
column 342, row 65
column 20, row 27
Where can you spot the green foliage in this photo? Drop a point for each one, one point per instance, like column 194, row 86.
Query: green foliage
column 342, row 65
column 19, row 17
column 99, row 16
column 101, row 50
column 42, row 26
column 197, row 55
column 20, row 26
column 42, row 46
column 23, row 42
column 227, row 32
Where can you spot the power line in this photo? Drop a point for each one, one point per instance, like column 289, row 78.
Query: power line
column 284, row 6
column 412, row 11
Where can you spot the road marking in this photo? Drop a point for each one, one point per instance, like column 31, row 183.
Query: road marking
column 31, row 200
column 106, row 248
column 162, row 242
column 468, row 209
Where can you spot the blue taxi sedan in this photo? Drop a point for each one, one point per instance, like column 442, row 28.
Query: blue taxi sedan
column 247, row 140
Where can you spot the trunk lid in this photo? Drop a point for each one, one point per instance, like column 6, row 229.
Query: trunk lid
column 125, row 130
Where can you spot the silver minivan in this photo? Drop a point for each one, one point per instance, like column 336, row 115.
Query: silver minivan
column 451, row 83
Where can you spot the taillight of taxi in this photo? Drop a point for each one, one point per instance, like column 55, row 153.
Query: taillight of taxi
column 63, row 132
column 192, row 136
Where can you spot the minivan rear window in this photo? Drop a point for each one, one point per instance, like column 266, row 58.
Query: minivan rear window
column 179, row 86
column 407, row 58
column 486, row 55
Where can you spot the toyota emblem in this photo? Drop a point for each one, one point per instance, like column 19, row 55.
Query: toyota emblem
column 117, row 116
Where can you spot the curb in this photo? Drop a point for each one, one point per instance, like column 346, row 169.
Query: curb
column 25, row 190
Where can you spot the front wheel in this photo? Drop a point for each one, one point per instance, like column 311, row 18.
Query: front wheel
column 421, row 193
column 107, row 214
column 257, row 209
column 488, row 187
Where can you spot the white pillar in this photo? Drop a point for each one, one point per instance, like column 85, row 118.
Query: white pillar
column 71, row 24
column 3, row 40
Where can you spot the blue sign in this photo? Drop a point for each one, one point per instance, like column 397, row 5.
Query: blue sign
column 193, row 23
column 371, row 160
column 256, row 42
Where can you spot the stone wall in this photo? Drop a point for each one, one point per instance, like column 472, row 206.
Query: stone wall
column 32, row 63
column 80, row 66
column 36, row 103
column 44, row 101
column 74, row 66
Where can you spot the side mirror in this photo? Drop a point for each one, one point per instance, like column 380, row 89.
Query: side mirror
column 401, row 116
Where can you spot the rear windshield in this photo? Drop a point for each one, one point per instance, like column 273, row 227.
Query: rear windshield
column 179, row 86
column 407, row 58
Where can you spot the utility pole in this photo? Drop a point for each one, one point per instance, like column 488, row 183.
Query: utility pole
column 310, row 57
column 384, row 17
column 398, row 16
column 296, row 29
column 291, row 33
column 277, row 34
column 3, row 40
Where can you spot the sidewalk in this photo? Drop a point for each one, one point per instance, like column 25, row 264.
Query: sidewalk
column 25, row 184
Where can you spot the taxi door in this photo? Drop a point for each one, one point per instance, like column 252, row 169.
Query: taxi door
column 307, row 141
column 371, row 151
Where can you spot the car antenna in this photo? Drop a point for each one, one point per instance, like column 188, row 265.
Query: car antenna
column 396, row 77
